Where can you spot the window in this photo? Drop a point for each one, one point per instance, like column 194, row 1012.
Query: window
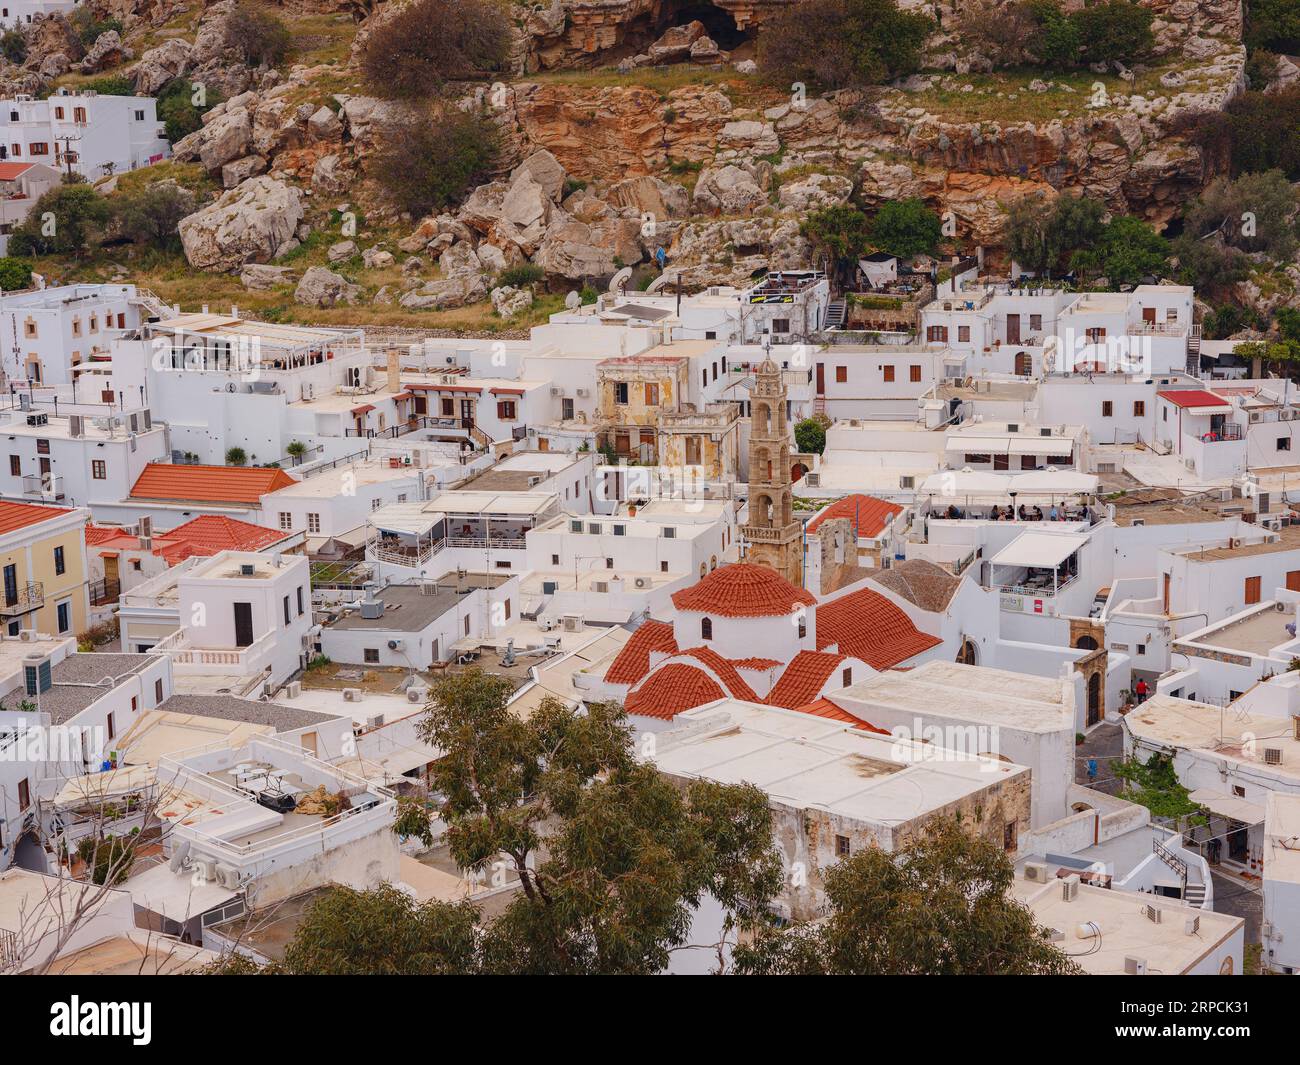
column 1139, row 408
column 888, row 372
column 575, row 526
column 15, row 465
column 1284, row 443
column 973, row 458
column 846, row 678
column 313, row 523
column 1239, row 791
column 1035, row 322
column 620, row 391
column 448, row 408
column 287, row 617
column 99, row 469
column 663, row 567
column 841, row 375
column 16, row 150
column 78, row 114
column 670, row 532
column 710, row 334
column 555, row 560
column 371, row 654
column 108, row 723
column 620, row 530
column 936, row 334
column 651, row 394
column 38, row 148
column 1107, row 409
column 58, row 111
column 963, row 334
column 24, row 794
column 506, row 410
column 1252, row 590
column 780, row 325
column 29, row 329
column 803, row 627
column 60, row 563
column 1164, row 414
column 139, row 116
column 914, row 374
column 1009, row 836
column 706, row 628
column 286, row 520
column 843, row 848
column 301, row 609
column 609, row 563
column 64, row 614
column 1141, row 648
column 158, row 691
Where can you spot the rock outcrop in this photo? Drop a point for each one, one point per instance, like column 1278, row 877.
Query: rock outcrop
column 254, row 223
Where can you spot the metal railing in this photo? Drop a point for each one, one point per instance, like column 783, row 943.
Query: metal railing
column 24, row 599
column 105, row 591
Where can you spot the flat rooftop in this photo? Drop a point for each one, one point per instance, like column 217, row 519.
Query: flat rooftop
column 967, row 693
column 1285, row 539
column 1282, row 837
column 1167, row 946
column 79, row 681
column 1257, row 633
column 1235, row 736
column 413, row 607
column 803, row 760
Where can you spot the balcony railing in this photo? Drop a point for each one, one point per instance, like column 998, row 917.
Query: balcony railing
column 1231, row 431
column 105, row 591
column 23, row 600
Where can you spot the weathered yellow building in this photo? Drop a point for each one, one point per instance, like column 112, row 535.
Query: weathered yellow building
column 45, row 579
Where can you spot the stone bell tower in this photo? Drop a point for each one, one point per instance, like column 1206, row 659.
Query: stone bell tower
column 772, row 530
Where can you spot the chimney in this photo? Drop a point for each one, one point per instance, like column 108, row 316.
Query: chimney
column 394, row 373
column 36, row 674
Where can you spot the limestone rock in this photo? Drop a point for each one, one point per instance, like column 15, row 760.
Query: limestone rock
column 253, row 223
column 324, row 288
column 344, row 249
column 260, row 278
column 508, row 301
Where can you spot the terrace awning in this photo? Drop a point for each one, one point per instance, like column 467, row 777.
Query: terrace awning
column 1230, row 806
column 1039, row 550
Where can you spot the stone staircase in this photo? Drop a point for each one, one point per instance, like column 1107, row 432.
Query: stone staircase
column 837, row 313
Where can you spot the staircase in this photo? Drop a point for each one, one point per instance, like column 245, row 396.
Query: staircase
column 1194, row 351
column 836, row 313
column 819, row 405
column 1194, row 895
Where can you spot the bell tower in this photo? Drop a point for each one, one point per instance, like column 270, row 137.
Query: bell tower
column 772, row 530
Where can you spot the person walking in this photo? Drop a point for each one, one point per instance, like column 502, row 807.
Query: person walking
column 1141, row 690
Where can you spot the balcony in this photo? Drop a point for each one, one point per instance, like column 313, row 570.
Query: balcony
column 23, row 599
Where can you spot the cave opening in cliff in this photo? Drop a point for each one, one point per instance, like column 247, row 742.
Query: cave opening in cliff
column 720, row 25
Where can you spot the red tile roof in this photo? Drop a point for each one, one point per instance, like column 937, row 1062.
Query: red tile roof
column 671, row 690
column 20, row 515
column 803, row 679
column 208, row 484
column 725, row 670
column 1192, row 397
column 97, row 535
column 9, row 171
column 743, row 590
column 210, row 533
column 633, row 662
column 826, row 708
column 755, row 663
column 869, row 626
column 870, row 514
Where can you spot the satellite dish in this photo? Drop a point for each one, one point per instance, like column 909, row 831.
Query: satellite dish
column 572, row 301
column 178, row 857
column 618, row 283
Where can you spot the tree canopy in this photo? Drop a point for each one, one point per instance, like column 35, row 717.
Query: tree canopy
column 939, row 906
column 906, row 228
column 415, row 51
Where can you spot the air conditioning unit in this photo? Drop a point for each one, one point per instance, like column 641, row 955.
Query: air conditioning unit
column 397, row 645
column 1038, row 872
column 375, row 721
column 207, row 870
column 812, row 480
column 38, row 419
column 293, row 689
column 1272, row 755
column 1134, row 966
column 417, row 693
column 907, row 482
column 582, row 392
column 572, row 623
column 1152, row 913
column 557, row 391
column 1070, row 888
column 642, row 582
column 228, row 877
column 352, row 695
column 1191, row 926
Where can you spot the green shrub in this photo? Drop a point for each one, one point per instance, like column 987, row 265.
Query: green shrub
column 150, row 214
column 257, row 35
column 906, row 228
column 1115, row 30
column 13, row 46
column 179, row 113
column 415, row 52
column 521, row 276
column 838, row 44
column 111, row 85
column 15, row 274
column 236, row 456
column 66, row 220
column 433, row 160
column 88, row 28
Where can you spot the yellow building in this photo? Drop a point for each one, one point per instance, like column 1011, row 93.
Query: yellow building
column 43, row 569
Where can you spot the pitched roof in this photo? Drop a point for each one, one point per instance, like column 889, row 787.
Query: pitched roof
column 633, row 662
column 9, row 171
column 208, row 484
column 803, row 679
column 15, row 516
column 743, row 590
column 209, row 534
column 1192, row 397
column 869, row 513
column 725, row 671
column 868, row 626
column 921, row 582
column 825, row 708
column 671, row 690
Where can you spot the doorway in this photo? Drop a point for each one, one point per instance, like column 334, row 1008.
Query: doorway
column 243, row 624
column 1094, row 699
column 1013, row 329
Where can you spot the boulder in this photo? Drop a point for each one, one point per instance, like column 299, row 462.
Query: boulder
column 508, row 301
column 730, row 189
column 328, row 175
column 324, row 124
column 446, row 292
column 814, row 192
column 649, row 195
column 227, row 137
column 253, row 223
column 241, row 170
column 675, row 45
column 159, row 65
column 107, row 51
column 324, row 288
column 260, row 278
column 543, row 168
column 344, row 249
column 377, row 258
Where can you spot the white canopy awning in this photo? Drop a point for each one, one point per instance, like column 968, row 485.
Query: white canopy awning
column 1039, row 550
column 1231, row 806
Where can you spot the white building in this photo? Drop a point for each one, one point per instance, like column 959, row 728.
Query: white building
column 1281, row 932
column 90, row 134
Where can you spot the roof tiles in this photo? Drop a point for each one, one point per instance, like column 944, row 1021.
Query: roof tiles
column 869, row 513
column 743, row 590
column 208, row 484
column 868, row 626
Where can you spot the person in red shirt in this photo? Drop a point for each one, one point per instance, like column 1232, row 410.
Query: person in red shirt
column 1141, row 690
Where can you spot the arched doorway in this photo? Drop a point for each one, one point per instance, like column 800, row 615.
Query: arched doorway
column 797, row 471
column 1094, row 699
column 29, row 854
column 1086, row 643
column 1024, row 364
column 969, row 654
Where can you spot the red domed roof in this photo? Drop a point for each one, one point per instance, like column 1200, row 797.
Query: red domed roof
column 743, row 590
